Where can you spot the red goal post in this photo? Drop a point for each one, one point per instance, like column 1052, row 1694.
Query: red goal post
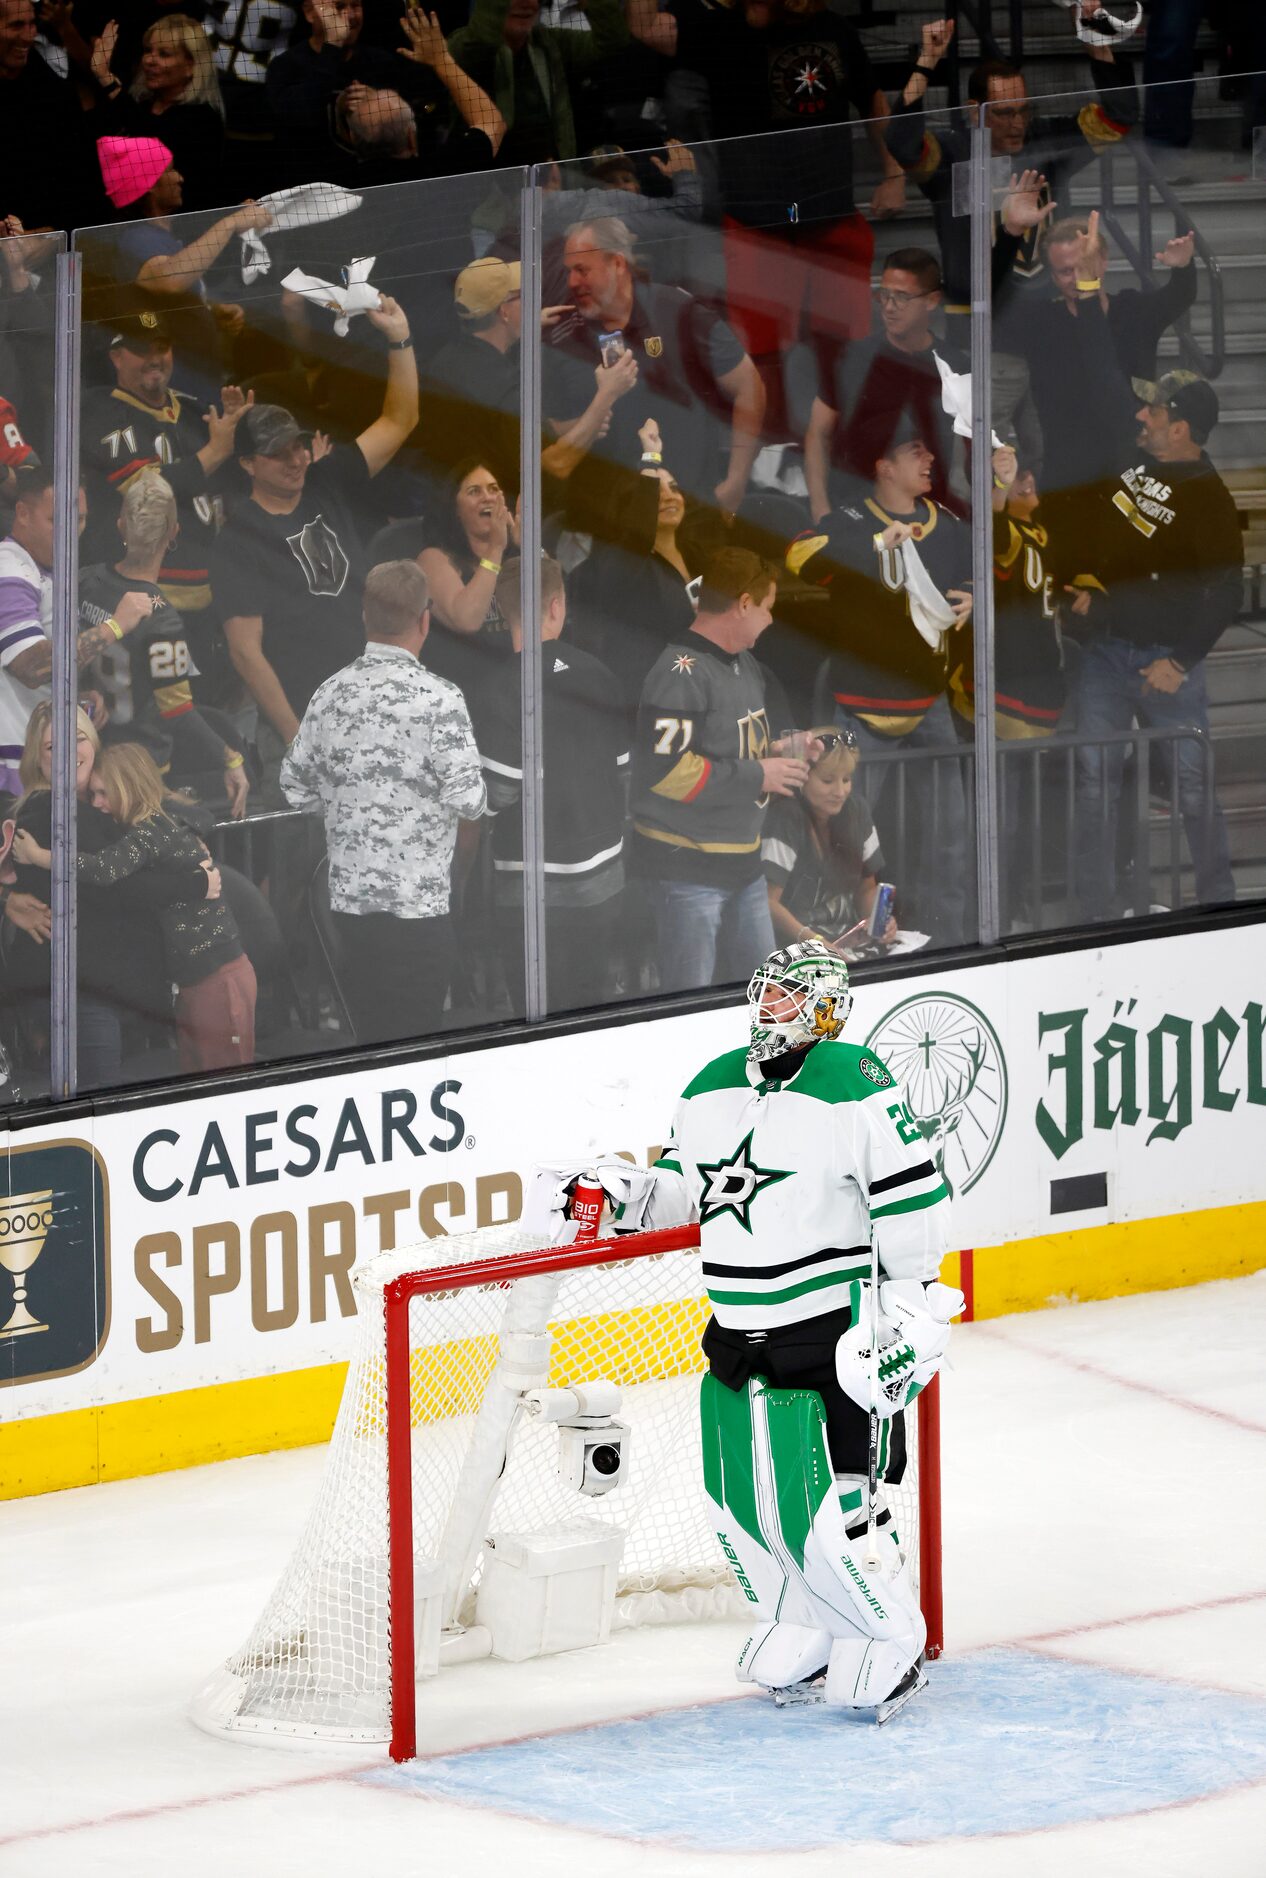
column 444, row 1458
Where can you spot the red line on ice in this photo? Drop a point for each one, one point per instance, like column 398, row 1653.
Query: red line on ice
column 1122, row 1382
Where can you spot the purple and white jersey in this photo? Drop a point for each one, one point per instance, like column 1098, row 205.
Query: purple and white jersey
column 26, row 615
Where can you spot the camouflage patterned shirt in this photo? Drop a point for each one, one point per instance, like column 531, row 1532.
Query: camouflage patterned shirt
column 386, row 752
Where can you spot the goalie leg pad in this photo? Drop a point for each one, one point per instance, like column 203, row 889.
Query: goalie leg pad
column 778, row 1655
column 777, row 1509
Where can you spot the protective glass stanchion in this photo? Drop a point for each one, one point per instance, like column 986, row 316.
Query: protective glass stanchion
column 749, row 365
column 29, row 327
column 292, row 437
column 1126, row 377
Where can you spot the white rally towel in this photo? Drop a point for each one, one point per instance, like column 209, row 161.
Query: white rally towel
column 293, row 208
column 956, row 399
column 353, row 297
column 1108, row 25
column 929, row 609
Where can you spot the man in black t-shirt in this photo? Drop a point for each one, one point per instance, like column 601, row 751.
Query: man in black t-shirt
column 795, row 243
column 586, row 761
column 867, row 389
column 692, row 371
column 289, row 571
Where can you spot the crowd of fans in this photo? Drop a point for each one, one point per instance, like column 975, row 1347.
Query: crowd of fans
column 300, row 593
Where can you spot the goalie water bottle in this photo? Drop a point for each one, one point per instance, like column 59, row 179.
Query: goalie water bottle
column 586, row 1208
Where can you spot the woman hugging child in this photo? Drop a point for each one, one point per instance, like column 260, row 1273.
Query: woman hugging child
column 202, row 950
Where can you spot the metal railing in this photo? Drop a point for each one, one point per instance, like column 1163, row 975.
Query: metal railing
column 1149, row 182
column 1026, row 811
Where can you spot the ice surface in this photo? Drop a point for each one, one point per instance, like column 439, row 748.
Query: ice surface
column 1102, row 1706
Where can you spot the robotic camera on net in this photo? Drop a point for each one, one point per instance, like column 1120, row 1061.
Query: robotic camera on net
column 593, row 1447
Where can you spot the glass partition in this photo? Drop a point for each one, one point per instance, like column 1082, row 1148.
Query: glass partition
column 1128, row 369
column 763, row 524
column 28, row 453
column 700, row 670
column 295, row 438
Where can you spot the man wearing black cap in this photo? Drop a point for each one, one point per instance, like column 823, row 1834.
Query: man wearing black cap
column 288, row 572
column 142, row 424
column 1161, row 559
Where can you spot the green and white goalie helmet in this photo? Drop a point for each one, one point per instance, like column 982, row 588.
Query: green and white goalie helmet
column 799, row 995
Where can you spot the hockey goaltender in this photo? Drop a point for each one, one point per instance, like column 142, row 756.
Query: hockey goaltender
column 822, row 1223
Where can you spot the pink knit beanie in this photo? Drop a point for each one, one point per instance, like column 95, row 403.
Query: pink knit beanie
column 130, row 166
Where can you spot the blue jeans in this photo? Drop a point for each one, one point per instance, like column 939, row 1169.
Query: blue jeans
column 932, row 835
column 1112, row 696
column 709, row 935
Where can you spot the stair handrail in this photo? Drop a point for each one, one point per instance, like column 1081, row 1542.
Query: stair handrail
column 979, row 16
column 1148, row 178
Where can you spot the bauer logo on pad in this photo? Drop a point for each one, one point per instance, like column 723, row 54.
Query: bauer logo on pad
column 54, row 1260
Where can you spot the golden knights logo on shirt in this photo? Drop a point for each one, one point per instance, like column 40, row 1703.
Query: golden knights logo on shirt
column 54, row 1261
column 319, row 553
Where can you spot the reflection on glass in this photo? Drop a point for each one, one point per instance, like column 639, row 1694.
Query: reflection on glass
column 273, row 573
column 28, row 266
column 753, row 485
column 1126, row 701
column 769, row 381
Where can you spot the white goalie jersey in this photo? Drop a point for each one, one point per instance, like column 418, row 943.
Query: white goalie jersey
column 789, row 1180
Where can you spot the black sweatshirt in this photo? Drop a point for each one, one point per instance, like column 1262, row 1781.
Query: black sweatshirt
column 1164, row 541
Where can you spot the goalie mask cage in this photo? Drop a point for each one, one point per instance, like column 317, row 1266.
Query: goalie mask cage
column 435, row 1448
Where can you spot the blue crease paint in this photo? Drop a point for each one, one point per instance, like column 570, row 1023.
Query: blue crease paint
column 1003, row 1741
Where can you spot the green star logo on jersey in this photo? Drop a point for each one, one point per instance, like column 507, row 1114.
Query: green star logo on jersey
column 732, row 1186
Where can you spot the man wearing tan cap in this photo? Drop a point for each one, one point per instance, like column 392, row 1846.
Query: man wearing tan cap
column 471, row 396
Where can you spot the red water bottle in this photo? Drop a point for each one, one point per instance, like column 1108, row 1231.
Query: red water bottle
column 586, row 1208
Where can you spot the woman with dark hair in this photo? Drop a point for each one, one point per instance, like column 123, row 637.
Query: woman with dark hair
column 634, row 594
column 471, row 537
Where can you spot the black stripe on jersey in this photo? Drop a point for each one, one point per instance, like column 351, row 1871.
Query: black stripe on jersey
column 793, row 1265
column 902, row 1179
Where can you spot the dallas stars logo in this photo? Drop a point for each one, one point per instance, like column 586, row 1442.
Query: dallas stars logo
column 732, row 1186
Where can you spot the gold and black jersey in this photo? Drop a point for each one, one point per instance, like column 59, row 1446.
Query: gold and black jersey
column 702, row 730
column 1029, row 683
column 882, row 669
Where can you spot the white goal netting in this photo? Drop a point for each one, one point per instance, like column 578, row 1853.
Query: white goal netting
column 318, row 1661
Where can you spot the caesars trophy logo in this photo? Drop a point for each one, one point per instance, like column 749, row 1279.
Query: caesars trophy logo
column 946, row 1055
column 54, row 1270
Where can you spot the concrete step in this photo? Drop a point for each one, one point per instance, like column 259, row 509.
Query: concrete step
column 1236, row 679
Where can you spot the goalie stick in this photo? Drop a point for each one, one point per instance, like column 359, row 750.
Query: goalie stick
column 872, row 1459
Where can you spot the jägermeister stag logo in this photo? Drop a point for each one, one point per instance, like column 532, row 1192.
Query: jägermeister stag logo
column 54, row 1268
column 946, row 1055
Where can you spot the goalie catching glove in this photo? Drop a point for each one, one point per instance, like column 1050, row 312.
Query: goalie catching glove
column 914, row 1329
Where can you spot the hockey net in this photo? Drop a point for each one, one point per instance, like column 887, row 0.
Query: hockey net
column 434, row 1449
